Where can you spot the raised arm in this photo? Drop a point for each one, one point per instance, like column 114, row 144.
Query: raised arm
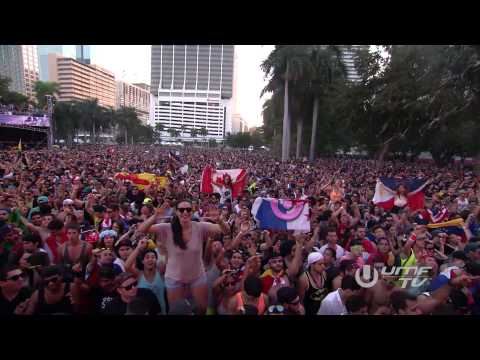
column 130, row 264
column 297, row 262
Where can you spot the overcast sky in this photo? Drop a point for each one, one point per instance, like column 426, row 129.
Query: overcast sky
column 132, row 64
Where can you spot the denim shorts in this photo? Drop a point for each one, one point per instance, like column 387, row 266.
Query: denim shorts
column 175, row 284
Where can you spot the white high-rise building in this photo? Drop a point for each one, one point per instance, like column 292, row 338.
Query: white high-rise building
column 192, row 87
column 349, row 54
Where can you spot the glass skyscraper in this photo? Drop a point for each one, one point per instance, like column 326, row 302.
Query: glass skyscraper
column 83, row 54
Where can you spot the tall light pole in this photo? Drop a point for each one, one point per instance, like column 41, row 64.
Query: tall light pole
column 52, row 123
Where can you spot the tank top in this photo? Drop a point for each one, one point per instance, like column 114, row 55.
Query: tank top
column 84, row 259
column 261, row 306
column 63, row 307
column 314, row 295
column 157, row 287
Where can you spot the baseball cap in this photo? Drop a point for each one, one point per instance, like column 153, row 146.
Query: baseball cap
column 286, row 295
column 67, row 202
column 107, row 272
column 120, row 279
column 42, row 199
column 459, row 254
column 471, row 247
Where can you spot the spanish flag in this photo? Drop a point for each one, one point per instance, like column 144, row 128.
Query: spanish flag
column 143, row 179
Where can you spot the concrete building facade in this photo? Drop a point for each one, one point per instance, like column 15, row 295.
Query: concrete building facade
column 192, row 87
column 20, row 64
column 81, row 81
column 11, row 66
column 136, row 96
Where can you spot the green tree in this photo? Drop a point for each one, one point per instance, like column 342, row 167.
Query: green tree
column 203, row 131
column 43, row 88
column 327, row 70
column 284, row 64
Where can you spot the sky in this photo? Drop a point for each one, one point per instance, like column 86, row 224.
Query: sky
column 131, row 63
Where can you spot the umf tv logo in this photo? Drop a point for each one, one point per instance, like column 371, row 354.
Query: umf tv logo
column 368, row 276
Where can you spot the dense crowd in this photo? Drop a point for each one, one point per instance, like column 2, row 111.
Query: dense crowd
column 75, row 239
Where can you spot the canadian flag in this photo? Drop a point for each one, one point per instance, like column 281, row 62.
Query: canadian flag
column 213, row 180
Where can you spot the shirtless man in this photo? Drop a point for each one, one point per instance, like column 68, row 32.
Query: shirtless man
column 39, row 225
column 378, row 296
column 74, row 253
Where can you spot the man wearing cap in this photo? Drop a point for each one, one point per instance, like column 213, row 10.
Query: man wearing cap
column 94, row 299
column 289, row 299
column 126, row 286
column 472, row 250
column 43, row 206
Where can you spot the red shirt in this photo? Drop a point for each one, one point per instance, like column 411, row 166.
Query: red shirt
column 367, row 245
column 53, row 246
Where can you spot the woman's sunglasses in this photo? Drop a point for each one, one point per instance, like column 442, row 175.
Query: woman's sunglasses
column 131, row 286
column 182, row 210
column 51, row 280
column 18, row 276
column 276, row 309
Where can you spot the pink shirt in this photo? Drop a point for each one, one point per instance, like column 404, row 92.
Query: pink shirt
column 185, row 265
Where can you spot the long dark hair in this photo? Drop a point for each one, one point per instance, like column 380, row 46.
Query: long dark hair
column 177, row 231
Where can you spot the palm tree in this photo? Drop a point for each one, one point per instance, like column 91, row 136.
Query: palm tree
column 203, row 131
column 327, row 68
column 194, row 133
column 173, row 133
column 183, row 129
column 43, row 88
column 285, row 63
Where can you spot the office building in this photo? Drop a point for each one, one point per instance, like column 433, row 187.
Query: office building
column 20, row 64
column 349, row 55
column 239, row 125
column 11, row 66
column 45, row 50
column 80, row 81
column 83, row 54
column 136, row 96
column 192, row 86
column 30, row 68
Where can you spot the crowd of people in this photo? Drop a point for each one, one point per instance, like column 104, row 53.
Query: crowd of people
column 76, row 239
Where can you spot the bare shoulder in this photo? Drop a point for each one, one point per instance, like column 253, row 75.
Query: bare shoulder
column 161, row 228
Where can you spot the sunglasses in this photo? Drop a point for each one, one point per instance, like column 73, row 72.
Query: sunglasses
column 131, row 286
column 276, row 309
column 16, row 277
column 182, row 210
column 51, row 280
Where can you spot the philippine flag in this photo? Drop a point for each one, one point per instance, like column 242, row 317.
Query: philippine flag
column 275, row 214
column 213, row 180
column 386, row 192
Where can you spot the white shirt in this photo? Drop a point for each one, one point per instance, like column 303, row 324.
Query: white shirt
column 339, row 251
column 462, row 204
column 332, row 305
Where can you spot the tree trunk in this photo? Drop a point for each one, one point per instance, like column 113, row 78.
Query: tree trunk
column 286, row 124
column 381, row 155
column 298, row 152
column 314, row 128
column 126, row 138
column 93, row 134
